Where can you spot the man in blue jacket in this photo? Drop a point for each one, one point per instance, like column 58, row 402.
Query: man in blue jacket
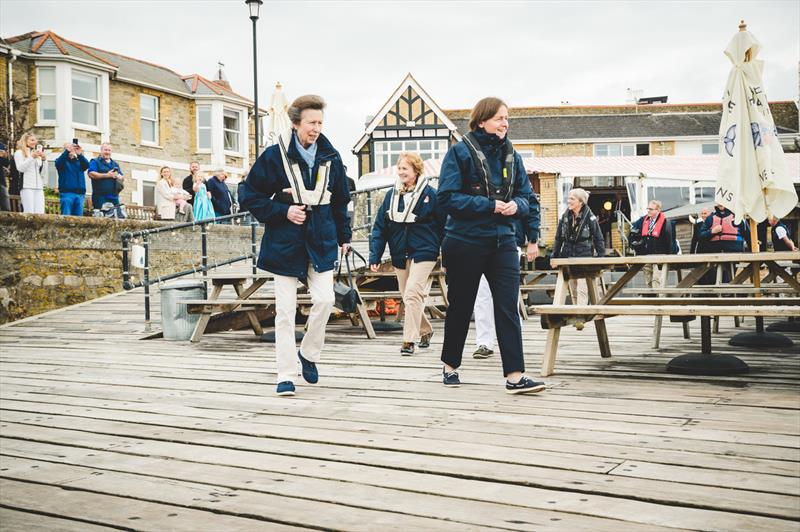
column 71, row 165
column 220, row 195
column 298, row 189
column 107, row 178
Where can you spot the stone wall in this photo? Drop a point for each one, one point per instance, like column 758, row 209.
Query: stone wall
column 47, row 262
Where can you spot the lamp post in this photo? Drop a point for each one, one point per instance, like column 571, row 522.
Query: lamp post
column 254, row 6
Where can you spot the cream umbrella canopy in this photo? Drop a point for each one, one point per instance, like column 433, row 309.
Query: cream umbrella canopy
column 278, row 115
column 752, row 178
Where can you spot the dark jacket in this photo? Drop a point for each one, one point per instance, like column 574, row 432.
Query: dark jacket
column 105, row 186
column 726, row 246
column 699, row 244
column 582, row 239
column 188, row 186
column 287, row 248
column 418, row 241
column 220, row 196
column 664, row 244
column 71, row 176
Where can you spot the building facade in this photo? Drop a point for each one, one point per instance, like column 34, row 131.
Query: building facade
column 152, row 115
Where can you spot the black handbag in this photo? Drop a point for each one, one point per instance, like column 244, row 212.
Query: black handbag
column 345, row 294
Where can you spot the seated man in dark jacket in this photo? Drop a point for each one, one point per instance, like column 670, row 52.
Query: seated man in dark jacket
column 298, row 189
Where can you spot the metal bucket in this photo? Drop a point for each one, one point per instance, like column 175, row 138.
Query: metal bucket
column 176, row 322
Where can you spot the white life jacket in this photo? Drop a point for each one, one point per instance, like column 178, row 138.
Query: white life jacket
column 320, row 195
column 406, row 216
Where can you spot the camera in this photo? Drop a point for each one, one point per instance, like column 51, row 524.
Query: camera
column 38, row 147
column 75, row 142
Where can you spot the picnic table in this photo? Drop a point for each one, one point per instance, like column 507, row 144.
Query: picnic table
column 602, row 306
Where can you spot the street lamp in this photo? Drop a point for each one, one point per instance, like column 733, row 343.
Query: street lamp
column 254, row 6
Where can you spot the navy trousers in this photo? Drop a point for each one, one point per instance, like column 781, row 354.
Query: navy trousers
column 465, row 263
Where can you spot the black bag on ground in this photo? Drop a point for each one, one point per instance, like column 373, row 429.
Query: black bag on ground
column 346, row 296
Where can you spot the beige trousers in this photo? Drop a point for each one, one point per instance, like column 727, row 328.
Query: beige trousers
column 653, row 275
column 412, row 281
column 320, row 286
column 578, row 291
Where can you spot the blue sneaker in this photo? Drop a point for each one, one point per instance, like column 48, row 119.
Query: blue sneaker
column 450, row 379
column 525, row 385
column 310, row 373
column 285, row 388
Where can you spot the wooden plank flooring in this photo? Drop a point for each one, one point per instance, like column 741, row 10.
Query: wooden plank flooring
column 100, row 429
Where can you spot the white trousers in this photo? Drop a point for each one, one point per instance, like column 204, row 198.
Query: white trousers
column 320, row 287
column 484, row 316
column 579, row 291
column 32, row 200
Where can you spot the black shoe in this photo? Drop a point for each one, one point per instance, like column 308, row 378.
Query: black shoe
column 408, row 349
column 450, row 379
column 482, row 352
column 525, row 385
column 310, row 373
column 425, row 341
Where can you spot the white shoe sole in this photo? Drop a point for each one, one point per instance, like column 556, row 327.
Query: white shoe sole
column 534, row 389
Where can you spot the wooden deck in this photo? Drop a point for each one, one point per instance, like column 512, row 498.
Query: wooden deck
column 100, row 429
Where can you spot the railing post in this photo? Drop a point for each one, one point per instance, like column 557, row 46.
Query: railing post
column 146, row 245
column 369, row 216
column 204, row 256
column 126, row 274
column 253, row 226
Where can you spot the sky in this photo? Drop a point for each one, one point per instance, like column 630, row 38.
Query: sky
column 356, row 53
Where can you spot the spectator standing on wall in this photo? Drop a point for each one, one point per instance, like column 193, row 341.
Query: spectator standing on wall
column 171, row 201
column 5, row 163
column 188, row 181
column 220, row 195
column 30, row 161
column 107, row 178
column 71, row 165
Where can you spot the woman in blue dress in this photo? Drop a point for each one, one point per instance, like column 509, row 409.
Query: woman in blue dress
column 203, row 209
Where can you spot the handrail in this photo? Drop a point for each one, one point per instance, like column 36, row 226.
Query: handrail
column 145, row 234
column 623, row 234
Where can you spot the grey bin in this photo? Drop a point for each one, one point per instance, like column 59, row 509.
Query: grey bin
column 176, row 322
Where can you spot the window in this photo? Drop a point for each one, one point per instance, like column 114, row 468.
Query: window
column 46, row 90
column 203, row 127
column 148, row 194
column 670, row 197
column 148, row 121
column 230, row 130
column 703, row 194
column 387, row 153
column 616, row 150
column 710, row 148
column 643, row 149
column 85, row 98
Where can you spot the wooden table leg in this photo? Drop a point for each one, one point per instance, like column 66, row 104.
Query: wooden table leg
column 202, row 323
column 366, row 323
column 551, row 344
column 599, row 325
column 664, row 274
column 251, row 314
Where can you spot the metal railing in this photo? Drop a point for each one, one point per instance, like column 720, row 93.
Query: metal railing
column 369, row 196
column 623, row 226
column 127, row 237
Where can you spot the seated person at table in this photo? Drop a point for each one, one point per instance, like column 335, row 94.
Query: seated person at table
column 412, row 225
column 652, row 234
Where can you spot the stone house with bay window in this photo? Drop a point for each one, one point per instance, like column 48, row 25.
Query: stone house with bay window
column 152, row 115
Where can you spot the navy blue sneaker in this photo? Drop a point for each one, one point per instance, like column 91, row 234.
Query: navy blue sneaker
column 310, row 373
column 285, row 388
column 525, row 385
column 450, row 379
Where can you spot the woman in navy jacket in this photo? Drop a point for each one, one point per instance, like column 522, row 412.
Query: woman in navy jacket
column 483, row 188
column 412, row 225
column 298, row 189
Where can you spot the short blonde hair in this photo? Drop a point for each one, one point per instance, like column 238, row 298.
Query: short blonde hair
column 656, row 203
column 414, row 160
column 580, row 195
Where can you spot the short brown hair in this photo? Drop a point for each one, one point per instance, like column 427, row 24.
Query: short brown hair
column 414, row 160
column 484, row 110
column 308, row 101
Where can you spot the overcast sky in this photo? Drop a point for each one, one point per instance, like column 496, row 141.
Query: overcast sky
column 356, row 53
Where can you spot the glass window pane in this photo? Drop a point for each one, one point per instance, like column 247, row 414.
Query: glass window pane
column 426, row 155
column 149, row 194
column 230, row 120
column 84, row 86
column 204, row 139
column 614, row 150
column 148, row 106
column 601, row 150
column 47, row 107
column 411, row 145
column 710, row 149
column 148, row 130
column 47, row 80
column 84, row 112
column 231, row 141
column 395, row 146
column 425, row 145
column 629, row 150
column 393, row 159
column 204, row 115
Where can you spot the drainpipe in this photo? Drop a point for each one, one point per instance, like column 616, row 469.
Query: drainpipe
column 14, row 54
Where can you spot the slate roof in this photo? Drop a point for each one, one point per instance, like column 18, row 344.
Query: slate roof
column 126, row 67
column 643, row 125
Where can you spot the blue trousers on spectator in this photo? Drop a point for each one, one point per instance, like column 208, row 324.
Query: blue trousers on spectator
column 465, row 263
column 72, row 203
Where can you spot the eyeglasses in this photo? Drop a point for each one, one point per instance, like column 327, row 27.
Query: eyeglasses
column 652, row 209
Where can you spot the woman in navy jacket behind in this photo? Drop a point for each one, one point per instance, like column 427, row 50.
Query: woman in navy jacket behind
column 483, row 188
column 410, row 222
